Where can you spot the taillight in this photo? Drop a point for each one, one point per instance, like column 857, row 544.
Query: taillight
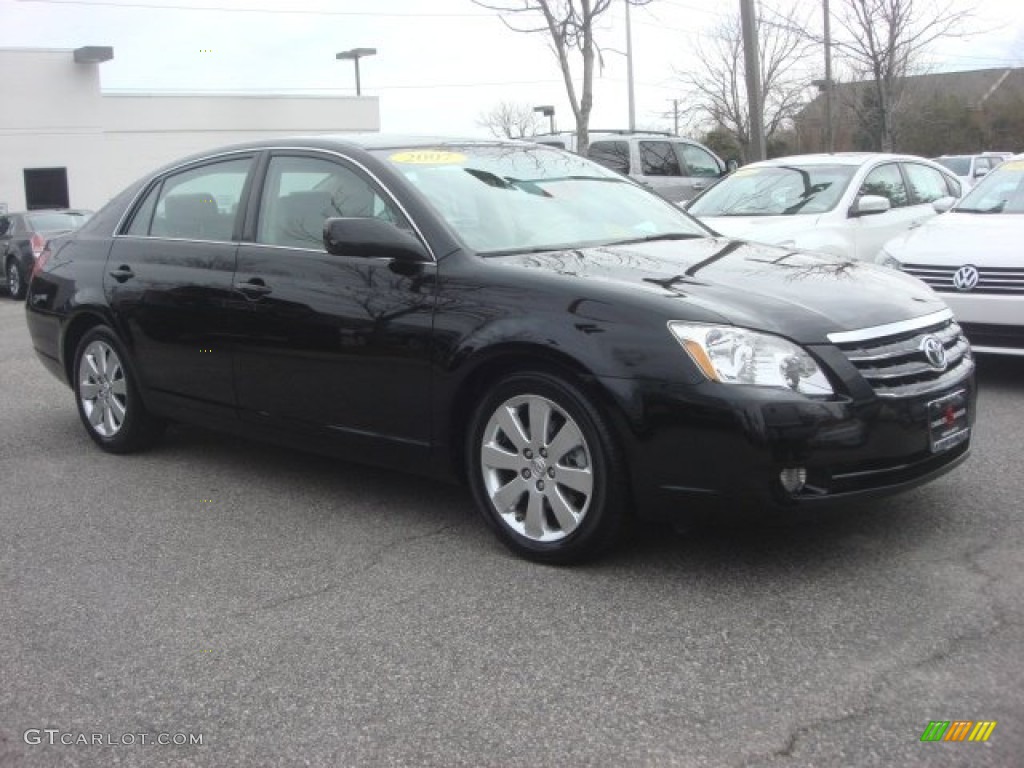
column 38, row 243
column 41, row 258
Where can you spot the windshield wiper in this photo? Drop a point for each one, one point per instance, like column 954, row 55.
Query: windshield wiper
column 655, row 238
column 998, row 208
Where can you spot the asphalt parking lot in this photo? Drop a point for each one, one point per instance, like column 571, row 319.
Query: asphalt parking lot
column 292, row 610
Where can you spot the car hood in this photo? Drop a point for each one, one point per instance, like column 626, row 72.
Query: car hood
column 797, row 294
column 763, row 229
column 954, row 239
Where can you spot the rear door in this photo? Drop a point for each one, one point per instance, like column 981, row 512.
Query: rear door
column 660, row 169
column 168, row 281
column 337, row 347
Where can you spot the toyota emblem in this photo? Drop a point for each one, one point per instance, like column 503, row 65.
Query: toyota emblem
column 935, row 352
column 965, row 278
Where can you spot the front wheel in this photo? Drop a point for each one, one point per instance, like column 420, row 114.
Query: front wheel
column 545, row 470
column 15, row 281
column 108, row 397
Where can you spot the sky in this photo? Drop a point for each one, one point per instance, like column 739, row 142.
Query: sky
column 441, row 64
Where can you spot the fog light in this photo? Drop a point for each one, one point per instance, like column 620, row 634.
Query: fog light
column 793, row 479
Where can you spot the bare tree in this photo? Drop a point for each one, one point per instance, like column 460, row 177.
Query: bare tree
column 882, row 40
column 570, row 27
column 717, row 86
column 508, row 120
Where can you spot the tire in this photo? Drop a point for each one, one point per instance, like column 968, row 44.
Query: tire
column 14, row 279
column 557, row 494
column 108, row 396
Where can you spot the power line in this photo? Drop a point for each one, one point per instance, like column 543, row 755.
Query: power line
column 238, row 9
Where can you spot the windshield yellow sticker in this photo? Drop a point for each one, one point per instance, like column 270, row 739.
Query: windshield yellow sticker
column 428, row 157
column 746, row 172
column 1014, row 165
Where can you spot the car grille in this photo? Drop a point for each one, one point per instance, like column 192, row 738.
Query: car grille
column 895, row 365
column 992, row 280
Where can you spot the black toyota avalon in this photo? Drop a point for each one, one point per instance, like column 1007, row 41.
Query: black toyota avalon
column 573, row 347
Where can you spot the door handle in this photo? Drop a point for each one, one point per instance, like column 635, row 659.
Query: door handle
column 254, row 288
column 699, row 185
column 122, row 273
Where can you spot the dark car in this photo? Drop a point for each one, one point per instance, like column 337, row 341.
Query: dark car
column 574, row 347
column 23, row 236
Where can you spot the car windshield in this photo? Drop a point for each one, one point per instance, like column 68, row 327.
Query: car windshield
column 517, row 198
column 961, row 166
column 1001, row 191
column 777, row 190
column 56, row 222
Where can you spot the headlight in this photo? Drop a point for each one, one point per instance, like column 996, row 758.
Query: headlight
column 739, row 356
column 886, row 259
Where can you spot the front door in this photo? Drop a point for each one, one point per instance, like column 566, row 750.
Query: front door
column 337, row 345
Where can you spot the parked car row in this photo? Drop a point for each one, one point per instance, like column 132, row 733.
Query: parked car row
column 573, row 347
column 886, row 208
column 23, row 237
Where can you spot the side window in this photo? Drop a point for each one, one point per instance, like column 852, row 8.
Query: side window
column 201, row 203
column 300, row 193
column 886, row 181
column 658, row 158
column 926, row 184
column 610, row 154
column 5, row 225
column 143, row 217
column 698, row 162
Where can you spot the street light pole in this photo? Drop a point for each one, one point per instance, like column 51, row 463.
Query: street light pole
column 549, row 112
column 629, row 71
column 748, row 17
column 355, row 54
column 830, row 137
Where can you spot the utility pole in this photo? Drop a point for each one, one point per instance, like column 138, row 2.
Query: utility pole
column 830, row 137
column 675, row 116
column 751, row 58
column 629, row 71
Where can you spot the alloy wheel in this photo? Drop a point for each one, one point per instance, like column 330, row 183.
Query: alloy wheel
column 537, row 468
column 102, row 388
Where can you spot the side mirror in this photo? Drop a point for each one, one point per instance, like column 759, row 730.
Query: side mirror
column 371, row 238
column 943, row 204
column 979, row 172
column 730, row 166
column 869, row 205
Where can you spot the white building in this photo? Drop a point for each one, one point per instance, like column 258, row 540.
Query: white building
column 66, row 143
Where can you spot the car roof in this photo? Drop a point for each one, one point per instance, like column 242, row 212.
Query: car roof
column 832, row 158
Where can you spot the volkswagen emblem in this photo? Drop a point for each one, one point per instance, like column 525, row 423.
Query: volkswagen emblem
column 965, row 278
column 934, row 351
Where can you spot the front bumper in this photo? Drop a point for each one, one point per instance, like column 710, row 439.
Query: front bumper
column 992, row 322
column 716, row 451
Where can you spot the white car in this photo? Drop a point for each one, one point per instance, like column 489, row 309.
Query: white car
column 970, row 168
column 845, row 204
column 974, row 258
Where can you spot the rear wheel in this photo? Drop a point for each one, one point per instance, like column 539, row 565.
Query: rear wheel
column 544, row 469
column 108, row 397
column 15, row 280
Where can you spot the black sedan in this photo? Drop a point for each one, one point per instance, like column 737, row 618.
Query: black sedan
column 575, row 348
column 23, row 237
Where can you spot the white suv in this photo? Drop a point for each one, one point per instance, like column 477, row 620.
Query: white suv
column 674, row 167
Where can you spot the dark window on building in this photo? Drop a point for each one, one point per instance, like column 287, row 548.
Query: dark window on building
column 46, row 188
